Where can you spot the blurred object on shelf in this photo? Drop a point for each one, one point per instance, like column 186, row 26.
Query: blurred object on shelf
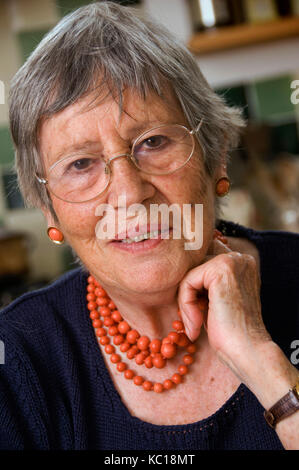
column 259, row 11
column 210, row 13
column 295, row 7
column 272, row 184
column 13, row 254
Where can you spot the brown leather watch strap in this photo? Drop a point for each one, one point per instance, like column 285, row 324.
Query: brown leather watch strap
column 286, row 406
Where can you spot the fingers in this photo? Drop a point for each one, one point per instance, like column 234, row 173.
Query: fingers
column 193, row 297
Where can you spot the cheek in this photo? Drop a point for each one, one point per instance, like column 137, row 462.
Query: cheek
column 77, row 221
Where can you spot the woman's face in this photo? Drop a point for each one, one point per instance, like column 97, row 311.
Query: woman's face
column 160, row 265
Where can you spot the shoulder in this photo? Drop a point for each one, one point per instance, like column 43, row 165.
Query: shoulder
column 275, row 251
column 37, row 311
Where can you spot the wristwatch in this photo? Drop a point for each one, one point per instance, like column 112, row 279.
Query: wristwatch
column 284, row 407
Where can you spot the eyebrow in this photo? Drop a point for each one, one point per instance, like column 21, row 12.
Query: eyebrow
column 87, row 145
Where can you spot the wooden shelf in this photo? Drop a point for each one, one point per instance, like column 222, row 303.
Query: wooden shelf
column 231, row 37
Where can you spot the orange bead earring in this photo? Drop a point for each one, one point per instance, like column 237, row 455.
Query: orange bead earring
column 222, row 186
column 55, row 235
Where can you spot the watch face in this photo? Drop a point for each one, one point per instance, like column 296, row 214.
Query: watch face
column 269, row 418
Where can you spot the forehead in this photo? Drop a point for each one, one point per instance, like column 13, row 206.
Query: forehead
column 82, row 122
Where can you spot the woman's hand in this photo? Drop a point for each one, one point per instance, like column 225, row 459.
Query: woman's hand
column 224, row 293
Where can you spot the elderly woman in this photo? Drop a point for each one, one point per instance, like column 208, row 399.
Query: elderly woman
column 153, row 343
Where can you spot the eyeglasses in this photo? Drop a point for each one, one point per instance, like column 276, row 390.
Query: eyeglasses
column 159, row 151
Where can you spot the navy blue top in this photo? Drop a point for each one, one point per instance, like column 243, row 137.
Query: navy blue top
column 56, row 393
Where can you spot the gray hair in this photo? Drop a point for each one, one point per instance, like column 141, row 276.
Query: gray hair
column 111, row 43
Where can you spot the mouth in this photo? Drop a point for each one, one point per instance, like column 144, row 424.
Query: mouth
column 147, row 240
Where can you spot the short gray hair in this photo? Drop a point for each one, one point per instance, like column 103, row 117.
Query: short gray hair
column 112, row 43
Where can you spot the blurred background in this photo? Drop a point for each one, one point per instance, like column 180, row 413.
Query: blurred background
column 247, row 50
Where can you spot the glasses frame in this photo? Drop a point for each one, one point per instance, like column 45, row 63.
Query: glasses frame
column 108, row 167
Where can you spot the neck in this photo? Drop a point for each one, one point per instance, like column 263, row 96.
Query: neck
column 150, row 314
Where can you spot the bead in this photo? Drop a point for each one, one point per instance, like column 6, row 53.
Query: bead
column 121, row 366
column 139, row 359
column 138, row 380
column 113, row 330
column 97, row 323
column 92, row 305
column 132, row 336
column 174, row 337
column 99, row 292
column 90, row 288
column 124, row 347
column 102, row 301
column 123, row 327
column 101, row 332
column 114, row 358
column 191, row 349
column 118, row 339
column 90, row 280
column 90, row 297
column 188, row 359
column 112, row 305
column 147, row 385
column 109, row 349
column 148, row 362
column 166, row 340
column 158, row 388
column 143, row 343
column 155, row 345
column 159, row 361
column 129, row 374
column 176, row 378
column 104, row 340
column 108, row 321
column 182, row 369
column 94, row 314
column 167, row 384
column 105, row 311
column 178, row 325
column 116, row 316
column 168, row 350
column 132, row 352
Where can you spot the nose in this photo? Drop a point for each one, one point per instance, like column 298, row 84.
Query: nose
column 127, row 182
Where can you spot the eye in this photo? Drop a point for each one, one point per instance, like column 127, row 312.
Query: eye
column 154, row 141
column 82, row 163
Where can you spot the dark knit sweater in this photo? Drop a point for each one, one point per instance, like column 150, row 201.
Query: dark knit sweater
column 56, row 393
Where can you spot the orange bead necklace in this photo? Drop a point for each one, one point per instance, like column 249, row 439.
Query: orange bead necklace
column 109, row 325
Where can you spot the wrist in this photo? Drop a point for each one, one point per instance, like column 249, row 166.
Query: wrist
column 268, row 373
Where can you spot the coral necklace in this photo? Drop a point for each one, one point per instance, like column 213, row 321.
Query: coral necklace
column 108, row 324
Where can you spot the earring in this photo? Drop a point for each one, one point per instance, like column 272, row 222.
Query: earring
column 222, row 186
column 55, row 235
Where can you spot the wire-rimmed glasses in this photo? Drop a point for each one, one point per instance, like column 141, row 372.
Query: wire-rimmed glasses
column 83, row 176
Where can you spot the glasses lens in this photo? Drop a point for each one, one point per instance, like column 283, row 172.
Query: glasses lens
column 78, row 178
column 163, row 150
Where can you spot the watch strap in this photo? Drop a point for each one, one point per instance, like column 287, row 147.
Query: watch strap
column 284, row 407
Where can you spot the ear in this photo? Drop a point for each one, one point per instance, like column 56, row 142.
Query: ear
column 221, row 169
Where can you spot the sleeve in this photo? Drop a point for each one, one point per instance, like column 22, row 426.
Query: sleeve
column 22, row 416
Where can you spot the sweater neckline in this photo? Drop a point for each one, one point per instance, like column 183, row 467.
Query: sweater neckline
column 208, row 424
